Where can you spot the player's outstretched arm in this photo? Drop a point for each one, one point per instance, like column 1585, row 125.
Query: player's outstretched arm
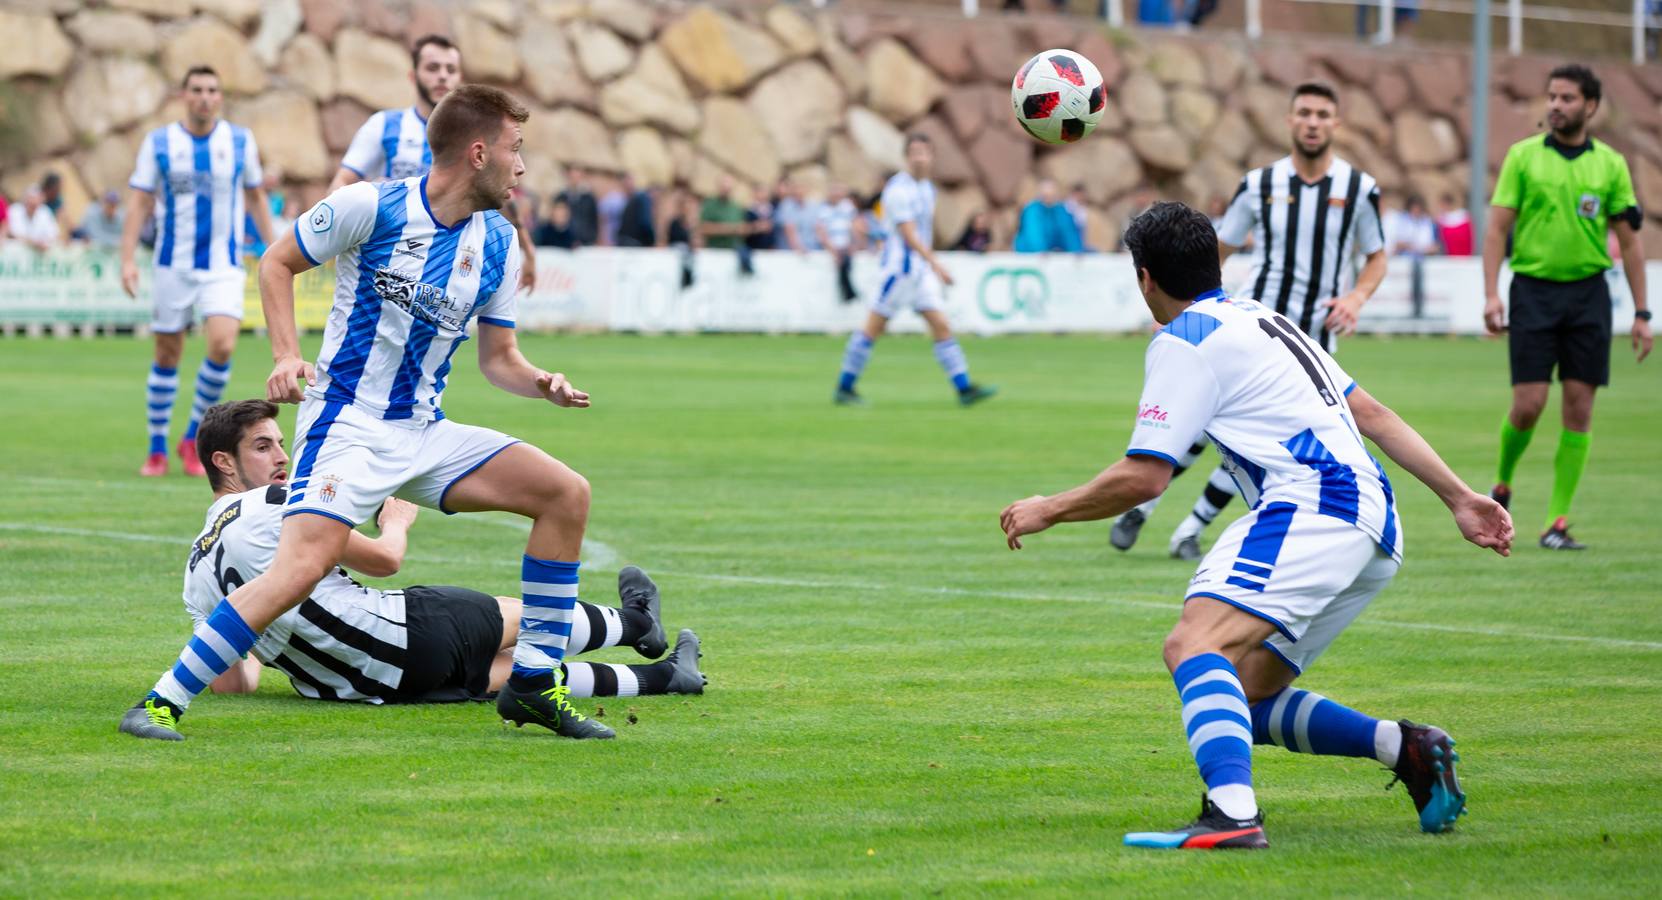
column 1132, row 480
column 282, row 261
column 504, row 366
column 1483, row 521
column 383, row 556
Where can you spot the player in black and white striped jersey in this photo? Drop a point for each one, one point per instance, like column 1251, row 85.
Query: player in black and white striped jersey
column 1309, row 215
column 421, row 644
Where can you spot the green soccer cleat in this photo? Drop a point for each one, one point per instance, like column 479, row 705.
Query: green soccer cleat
column 847, row 397
column 153, row 721
column 549, row 708
column 976, row 393
column 636, row 591
column 685, row 677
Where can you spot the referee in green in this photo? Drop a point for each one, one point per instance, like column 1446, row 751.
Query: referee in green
column 1556, row 195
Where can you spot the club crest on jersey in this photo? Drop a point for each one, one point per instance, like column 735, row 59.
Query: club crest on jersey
column 1588, row 207
column 327, row 492
column 465, row 266
column 323, row 218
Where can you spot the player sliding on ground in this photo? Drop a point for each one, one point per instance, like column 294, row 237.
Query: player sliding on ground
column 418, row 645
column 417, row 261
column 1322, row 537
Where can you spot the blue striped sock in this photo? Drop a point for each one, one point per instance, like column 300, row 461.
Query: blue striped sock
column 1306, row 722
column 855, row 357
column 160, row 387
column 210, row 386
column 549, row 590
column 953, row 362
column 1219, row 726
column 215, row 646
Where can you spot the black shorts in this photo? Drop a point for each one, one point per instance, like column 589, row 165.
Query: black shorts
column 454, row 634
column 1560, row 323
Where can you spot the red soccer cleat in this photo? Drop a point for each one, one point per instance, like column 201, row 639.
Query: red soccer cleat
column 187, row 456
column 155, row 465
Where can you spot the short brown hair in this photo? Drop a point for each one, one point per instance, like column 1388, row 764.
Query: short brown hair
column 1315, row 89
column 222, row 428
column 430, row 40
column 198, row 69
column 469, row 113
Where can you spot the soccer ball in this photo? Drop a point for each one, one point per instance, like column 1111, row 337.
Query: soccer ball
column 1058, row 96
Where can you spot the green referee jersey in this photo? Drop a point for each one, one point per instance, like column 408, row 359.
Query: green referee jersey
column 1564, row 197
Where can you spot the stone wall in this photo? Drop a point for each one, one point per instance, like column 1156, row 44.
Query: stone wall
column 679, row 94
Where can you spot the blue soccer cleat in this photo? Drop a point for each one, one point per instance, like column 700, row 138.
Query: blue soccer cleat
column 1425, row 766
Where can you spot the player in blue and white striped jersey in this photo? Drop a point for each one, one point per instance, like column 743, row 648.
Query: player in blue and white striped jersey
column 1284, row 580
column 910, row 275
column 201, row 178
column 392, row 144
column 417, row 262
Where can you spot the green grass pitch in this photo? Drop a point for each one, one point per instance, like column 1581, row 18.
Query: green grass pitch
column 897, row 703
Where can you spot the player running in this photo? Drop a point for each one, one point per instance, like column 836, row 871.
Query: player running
column 201, row 177
column 1310, row 214
column 1322, row 537
column 1564, row 193
column 417, row 645
column 392, row 144
column 911, row 274
column 418, row 260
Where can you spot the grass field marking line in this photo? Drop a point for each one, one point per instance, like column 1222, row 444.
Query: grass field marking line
column 602, row 556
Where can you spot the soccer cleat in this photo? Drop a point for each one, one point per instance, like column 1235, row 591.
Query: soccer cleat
column 1212, row 831
column 1126, row 528
column 1558, row 537
column 847, row 397
column 976, row 393
column 152, row 720
column 155, row 465
column 1426, row 768
column 1187, row 548
column 1502, row 494
column 636, row 591
column 685, row 677
column 549, row 708
column 188, row 458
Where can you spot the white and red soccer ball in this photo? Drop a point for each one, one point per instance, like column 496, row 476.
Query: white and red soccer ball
column 1058, row 96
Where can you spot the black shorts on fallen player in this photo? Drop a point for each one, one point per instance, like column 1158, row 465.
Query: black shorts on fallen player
column 454, row 634
column 1562, row 324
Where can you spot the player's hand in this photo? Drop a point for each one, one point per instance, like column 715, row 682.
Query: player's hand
column 527, row 272
column 1494, row 314
column 558, row 391
column 1343, row 312
column 1028, row 516
column 1641, row 339
column 129, row 278
column 396, row 513
column 1484, row 522
column 284, row 384
column 942, row 273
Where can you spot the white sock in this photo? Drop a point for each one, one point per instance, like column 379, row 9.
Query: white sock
column 1387, row 742
column 1236, row 801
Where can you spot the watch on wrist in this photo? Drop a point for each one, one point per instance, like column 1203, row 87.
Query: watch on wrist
column 1642, row 314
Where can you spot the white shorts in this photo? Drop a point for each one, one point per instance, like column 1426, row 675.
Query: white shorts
column 348, row 461
column 175, row 294
column 1308, row 574
column 920, row 289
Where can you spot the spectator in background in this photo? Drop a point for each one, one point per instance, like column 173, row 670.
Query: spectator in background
column 637, row 225
column 1407, row 12
column 556, row 230
column 679, row 233
column 978, row 234
column 759, row 217
column 51, row 192
column 1078, row 207
column 1454, row 226
column 101, row 226
column 835, row 230
column 721, row 223
column 868, row 224
column 1411, row 233
column 32, row 222
column 1141, row 199
column 1046, row 225
column 610, row 208
column 585, row 213
column 798, row 216
column 5, row 210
